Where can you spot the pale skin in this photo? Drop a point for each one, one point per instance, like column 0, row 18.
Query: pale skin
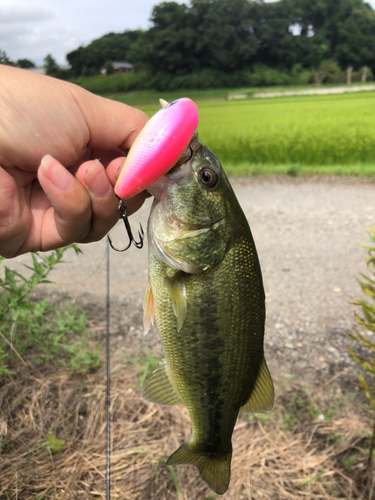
column 61, row 149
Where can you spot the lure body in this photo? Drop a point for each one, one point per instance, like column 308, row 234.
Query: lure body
column 158, row 147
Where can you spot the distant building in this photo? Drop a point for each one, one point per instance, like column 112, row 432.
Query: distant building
column 119, row 67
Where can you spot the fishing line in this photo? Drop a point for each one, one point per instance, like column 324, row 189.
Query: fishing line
column 108, row 397
column 122, row 211
column 87, row 277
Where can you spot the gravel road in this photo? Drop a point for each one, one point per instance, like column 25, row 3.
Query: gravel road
column 307, row 232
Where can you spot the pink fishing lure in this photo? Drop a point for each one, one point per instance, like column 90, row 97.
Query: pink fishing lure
column 158, row 147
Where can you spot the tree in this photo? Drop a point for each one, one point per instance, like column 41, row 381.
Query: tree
column 170, row 42
column 225, row 38
column 51, row 66
column 215, row 34
column 229, row 36
column 356, row 39
column 25, row 63
column 4, row 59
column 111, row 47
column 109, row 68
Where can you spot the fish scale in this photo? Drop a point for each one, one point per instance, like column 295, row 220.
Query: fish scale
column 209, row 304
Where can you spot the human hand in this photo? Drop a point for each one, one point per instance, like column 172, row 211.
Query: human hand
column 51, row 201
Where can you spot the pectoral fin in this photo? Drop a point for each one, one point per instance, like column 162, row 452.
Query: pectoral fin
column 177, row 290
column 262, row 397
column 158, row 388
column 148, row 309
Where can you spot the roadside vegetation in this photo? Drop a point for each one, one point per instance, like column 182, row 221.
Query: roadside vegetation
column 314, row 444
column 43, row 332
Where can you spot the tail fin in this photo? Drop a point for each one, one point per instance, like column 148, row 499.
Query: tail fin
column 214, row 469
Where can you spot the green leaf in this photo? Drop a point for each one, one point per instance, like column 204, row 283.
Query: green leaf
column 348, row 462
column 53, row 444
column 37, row 267
column 366, row 390
column 366, row 364
column 313, row 479
column 175, row 479
column 10, row 281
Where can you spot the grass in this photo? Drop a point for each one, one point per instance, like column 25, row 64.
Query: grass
column 301, row 135
column 246, row 169
column 55, row 446
column 151, row 97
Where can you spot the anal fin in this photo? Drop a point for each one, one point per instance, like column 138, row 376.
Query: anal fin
column 261, row 399
column 158, row 388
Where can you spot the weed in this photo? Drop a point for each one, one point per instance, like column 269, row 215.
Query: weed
column 264, row 418
column 5, row 445
column 148, row 367
column 146, row 364
column 289, row 421
column 53, row 444
column 313, row 479
column 348, row 462
column 303, row 404
column 335, row 436
column 293, row 170
column 330, row 489
column 172, row 473
column 175, row 479
column 301, row 408
column 27, row 326
column 367, row 322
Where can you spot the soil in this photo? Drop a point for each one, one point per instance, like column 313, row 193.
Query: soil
column 308, row 233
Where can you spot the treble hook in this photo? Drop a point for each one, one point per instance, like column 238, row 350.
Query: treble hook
column 139, row 244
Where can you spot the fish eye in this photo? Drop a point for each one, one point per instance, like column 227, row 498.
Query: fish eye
column 208, row 177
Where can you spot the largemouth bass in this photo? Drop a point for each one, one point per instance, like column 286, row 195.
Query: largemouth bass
column 206, row 292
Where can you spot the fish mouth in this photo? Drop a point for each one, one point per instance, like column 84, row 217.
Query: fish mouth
column 160, row 213
column 176, row 224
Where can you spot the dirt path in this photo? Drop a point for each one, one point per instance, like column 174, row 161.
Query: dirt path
column 324, row 91
column 307, row 232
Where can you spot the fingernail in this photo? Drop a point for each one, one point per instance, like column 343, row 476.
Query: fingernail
column 97, row 181
column 56, row 173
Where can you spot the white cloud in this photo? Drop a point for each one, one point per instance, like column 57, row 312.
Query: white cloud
column 32, row 29
column 17, row 14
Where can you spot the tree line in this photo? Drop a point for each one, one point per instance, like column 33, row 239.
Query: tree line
column 237, row 40
column 233, row 35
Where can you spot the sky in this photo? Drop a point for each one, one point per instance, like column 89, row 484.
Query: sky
column 32, row 29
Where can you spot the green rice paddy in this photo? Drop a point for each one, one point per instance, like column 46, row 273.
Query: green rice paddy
column 332, row 134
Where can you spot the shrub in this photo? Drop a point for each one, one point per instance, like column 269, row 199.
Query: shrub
column 367, row 322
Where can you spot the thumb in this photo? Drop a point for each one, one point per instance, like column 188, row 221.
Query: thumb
column 111, row 124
